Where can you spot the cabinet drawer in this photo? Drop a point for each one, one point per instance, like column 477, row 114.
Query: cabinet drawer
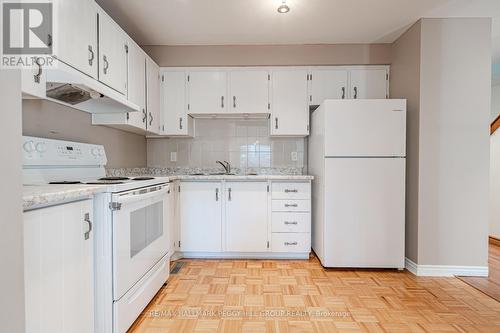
column 291, row 242
column 291, row 205
column 291, row 190
column 291, row 222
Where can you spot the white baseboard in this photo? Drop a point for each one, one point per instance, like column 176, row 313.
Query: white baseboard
column 445, row 270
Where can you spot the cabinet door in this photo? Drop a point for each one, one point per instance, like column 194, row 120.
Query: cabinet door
column 76, row 34
column 174, row 103
column 327, row 84
column 369, row 83
column 207, row 92
column 33, row 82
column 58, row 269
column 289, row 106
column 112, row 54
column 246, row 217
column 249, row 91
column 137, row 84
column 153, row 96
column 201, row 217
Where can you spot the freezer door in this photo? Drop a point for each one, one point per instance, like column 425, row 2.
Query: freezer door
column 364, row 212
column 365, row 128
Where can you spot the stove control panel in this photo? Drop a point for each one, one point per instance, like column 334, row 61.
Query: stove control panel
column 49, row 152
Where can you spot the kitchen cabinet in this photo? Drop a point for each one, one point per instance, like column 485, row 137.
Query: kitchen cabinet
column 369, row 83
column 327, row 83
column 33, row 82
column 152, row 96
column 58, row 269
column 246, row 217
column 112, row 53
column 200, row 217
column 76, row 39
column 207, row 92
column 249, row 91
column 136, row 84
column 289, row 103
column 174, row 116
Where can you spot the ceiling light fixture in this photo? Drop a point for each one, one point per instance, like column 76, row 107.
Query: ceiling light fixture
column 283, row 9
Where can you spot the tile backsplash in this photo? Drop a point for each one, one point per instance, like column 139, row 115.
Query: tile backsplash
column 246, row 144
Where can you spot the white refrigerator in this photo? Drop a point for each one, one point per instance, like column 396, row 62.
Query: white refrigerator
column 357, row 154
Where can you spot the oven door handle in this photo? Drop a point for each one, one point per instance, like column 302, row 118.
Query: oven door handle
column 140, row 194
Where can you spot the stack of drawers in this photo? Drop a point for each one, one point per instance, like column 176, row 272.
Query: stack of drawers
column 291, row 217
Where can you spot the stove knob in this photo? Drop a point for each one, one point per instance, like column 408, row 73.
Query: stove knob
column 101, row 152
column 95, row 151
column 29, row 146
column 40, row 147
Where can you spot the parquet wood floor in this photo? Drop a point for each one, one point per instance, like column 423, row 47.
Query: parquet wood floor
column 490, row 285
column 300, row 296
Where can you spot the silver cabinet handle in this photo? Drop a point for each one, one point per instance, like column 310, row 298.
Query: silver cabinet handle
column 291, row 205
column 234, row 102
column 222, row 102
column 39, row 74
column 144, row 116
column 217, row 194
column 91, row 55
column 291, row 191
column 276, row 123
column 106, row 64
column 229, row 194
column 290, row 244
column 291, row 223
column 355, row 92
column 150, row 119
column 180, row 123
column 86, row 218
column 343, row 92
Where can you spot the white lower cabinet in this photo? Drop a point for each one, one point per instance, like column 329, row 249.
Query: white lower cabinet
column 200, row 217
column 58, row 269
column 246, row 217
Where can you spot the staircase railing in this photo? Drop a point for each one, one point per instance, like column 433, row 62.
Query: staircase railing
column 495, row 125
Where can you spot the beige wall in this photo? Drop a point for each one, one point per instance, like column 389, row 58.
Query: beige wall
column 51, row 120
column 11, row 224
column 262, row 55
column 455, row 95
column 448, row 157
column 405, row 83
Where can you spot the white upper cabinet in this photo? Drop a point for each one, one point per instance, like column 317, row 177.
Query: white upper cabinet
column 175, row 119
column 246, row 217
column 153, row 96
column 76, row 38
column 369, row 83
column 201, row 217
column 207, row 92
column 137, row 84
column 327, row 84
column 289, row 103
column 248, row 91
column 112, row 54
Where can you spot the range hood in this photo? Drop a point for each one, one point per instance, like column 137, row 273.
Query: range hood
column 68, row 86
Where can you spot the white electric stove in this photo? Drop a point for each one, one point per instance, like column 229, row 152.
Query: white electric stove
column 131, row 241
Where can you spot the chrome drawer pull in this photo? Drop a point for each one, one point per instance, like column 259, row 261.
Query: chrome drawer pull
column 293, row 223
column 290, row 244
column 291, row 205
column 291, row 191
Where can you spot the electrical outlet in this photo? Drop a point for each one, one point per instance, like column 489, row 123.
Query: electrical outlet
column 173, row 156
column 294, row 156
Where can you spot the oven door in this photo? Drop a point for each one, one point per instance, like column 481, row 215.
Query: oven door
column 140, row 234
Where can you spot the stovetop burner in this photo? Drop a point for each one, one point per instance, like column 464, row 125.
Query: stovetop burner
column 105, row 182
column 114, row 178
column 65, row 182
column 143, row 178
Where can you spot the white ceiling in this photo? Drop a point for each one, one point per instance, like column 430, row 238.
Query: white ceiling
column 237, row 22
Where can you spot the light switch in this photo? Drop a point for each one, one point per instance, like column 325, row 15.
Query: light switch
column 294, row 156
column 173, row 156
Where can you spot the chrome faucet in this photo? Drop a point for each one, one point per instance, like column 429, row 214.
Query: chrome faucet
column 226, row 166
